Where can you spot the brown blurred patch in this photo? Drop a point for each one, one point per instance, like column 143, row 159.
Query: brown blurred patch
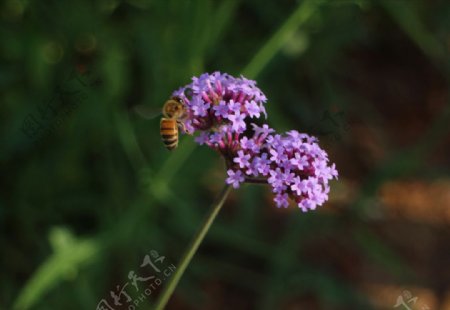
column 385, row 296
column 417, row 200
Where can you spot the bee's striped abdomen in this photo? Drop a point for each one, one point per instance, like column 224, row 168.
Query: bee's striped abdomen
column 169, row 133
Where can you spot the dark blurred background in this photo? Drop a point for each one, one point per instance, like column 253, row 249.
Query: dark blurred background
column 88, row 191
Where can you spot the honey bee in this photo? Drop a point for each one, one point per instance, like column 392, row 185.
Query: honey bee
column 174, row 112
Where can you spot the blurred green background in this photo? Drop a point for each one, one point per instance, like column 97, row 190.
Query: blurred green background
column 88, row 190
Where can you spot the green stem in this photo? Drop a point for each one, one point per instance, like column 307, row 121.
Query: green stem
column 303, row 12
column 192, row 248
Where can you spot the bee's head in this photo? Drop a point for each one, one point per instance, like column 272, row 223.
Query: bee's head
column 174, row 108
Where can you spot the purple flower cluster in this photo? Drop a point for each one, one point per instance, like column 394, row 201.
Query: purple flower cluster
column 220, row 107
column 294, row 165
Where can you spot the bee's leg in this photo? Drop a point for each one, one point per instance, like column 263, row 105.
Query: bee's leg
column 181, row 126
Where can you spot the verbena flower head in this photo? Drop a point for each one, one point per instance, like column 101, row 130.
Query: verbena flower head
column 293, row 164
column 221, row 107
column 218, row 105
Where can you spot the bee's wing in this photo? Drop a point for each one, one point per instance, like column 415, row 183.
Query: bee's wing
column 146, row 112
